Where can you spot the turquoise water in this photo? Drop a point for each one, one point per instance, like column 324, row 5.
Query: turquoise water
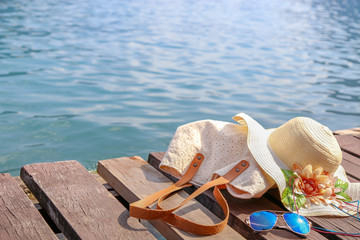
column 91, row 80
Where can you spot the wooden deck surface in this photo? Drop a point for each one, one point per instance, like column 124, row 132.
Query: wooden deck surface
column 19, row 219
column 78, row 204
column 62, row 200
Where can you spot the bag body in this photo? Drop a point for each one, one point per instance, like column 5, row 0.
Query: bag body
column 223, row 145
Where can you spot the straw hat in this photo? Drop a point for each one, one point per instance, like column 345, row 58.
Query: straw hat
column 299, row 142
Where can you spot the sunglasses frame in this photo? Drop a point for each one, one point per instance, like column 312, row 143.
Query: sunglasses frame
column 247, row 221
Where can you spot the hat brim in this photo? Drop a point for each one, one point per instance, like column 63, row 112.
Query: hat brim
column 257, row 140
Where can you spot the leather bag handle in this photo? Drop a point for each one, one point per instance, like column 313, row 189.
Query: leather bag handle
column 140, row 208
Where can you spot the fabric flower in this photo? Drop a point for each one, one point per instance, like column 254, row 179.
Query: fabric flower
column 317, row 185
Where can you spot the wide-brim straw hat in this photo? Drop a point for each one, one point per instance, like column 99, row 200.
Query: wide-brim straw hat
column 299, row 141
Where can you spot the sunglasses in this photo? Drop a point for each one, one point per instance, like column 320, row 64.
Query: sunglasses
column 265, row 220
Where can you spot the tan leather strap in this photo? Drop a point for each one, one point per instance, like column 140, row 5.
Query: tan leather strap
column 203, row 188
column 139, row 209
column 200, row 229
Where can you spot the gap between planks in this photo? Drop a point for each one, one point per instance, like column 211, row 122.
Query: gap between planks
column 53, row 226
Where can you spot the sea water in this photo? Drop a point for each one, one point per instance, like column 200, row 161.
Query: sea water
column 91, row 80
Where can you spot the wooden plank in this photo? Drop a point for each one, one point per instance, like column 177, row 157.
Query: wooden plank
column 19, row 219
column 135, row 179
column 353, row 131
column 351, row 164
column 349, row 144
column 239, row 210
column 78, row 204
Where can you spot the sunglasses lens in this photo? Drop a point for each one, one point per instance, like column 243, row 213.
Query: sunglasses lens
column 297, row 223
column 262, row 220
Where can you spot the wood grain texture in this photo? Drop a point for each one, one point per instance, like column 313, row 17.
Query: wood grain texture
column 239, row 209
column 135, row 179
column 78, row 204
column 351, row 164
column 353, row 131
column 349, row 144
column 19, row 219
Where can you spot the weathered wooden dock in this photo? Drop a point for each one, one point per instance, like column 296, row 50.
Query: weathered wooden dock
column 62, row 200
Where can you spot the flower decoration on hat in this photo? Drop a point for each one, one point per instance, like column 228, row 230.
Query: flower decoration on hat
column 308, row 186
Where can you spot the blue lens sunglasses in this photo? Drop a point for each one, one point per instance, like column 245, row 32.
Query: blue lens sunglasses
column 266, row 220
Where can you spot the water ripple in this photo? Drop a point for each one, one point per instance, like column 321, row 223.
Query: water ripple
column 59, row 117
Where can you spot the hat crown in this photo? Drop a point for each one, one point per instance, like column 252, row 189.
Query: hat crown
column 304, row 141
